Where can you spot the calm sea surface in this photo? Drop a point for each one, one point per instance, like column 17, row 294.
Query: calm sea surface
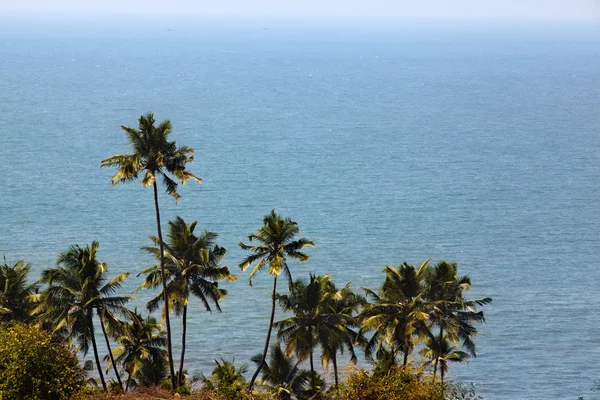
column 385, row 146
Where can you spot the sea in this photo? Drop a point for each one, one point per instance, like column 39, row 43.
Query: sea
column 386, row 141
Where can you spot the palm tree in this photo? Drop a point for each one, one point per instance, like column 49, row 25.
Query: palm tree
column 308, row 304
column 449, row 310
column 277, row 238
column 398, row 314
column 345, row 304
column 193, row 267
column 142, row 343
column 15, row 302
column 442, row 352
column 281, row 375
column 76, row 288
column 155, row 156
column 321, row 318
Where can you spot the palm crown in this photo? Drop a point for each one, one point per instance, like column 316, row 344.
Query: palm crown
column 398, row 314
column 15, row 291
column 323, row 316
column 192, row 265
column 154, row 154
column 141, row 343
column 277, row 243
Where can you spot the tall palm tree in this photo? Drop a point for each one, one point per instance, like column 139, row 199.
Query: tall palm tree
column 398, row 314
column 449, row 310
column 281, row 375
column 277, row 242
column 442, row 352
column 15, row 302
column 142, row 343
column 78, row 287
column 193, row 267
column 155, row 156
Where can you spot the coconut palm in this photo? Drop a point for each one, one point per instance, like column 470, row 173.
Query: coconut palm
column 155, row 157
column 78, row 287
column 321, row 319
column 15, row 302
column 397, row 314
column 281, row 375
column 193, row 267
column 276, row 243
column 308, row 303
column 345, row 304
column 449, row 310
column 441, row 353
column 141, row 350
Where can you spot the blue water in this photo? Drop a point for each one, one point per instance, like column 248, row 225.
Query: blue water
column 480, row 147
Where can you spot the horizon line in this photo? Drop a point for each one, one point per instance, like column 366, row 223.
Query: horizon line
column 301, row 17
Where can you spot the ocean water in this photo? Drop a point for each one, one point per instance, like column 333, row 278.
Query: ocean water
column 386, row 145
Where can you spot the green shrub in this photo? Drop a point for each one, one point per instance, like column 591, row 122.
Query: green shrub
column 34, row 367
column 396, row 384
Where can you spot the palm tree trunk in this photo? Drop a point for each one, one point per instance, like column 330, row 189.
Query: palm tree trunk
column 183, row 331
column 442, row 373
column 165, row 292
column 112, row 360
column 266, row 349
column 442, row 370
column 312, row 373
column 128, row 382
column 405, row 358
column 437, row 353
column 335, row 369
column 96, row 356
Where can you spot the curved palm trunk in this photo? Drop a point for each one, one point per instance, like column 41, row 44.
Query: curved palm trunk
column 183, row 332
column 112, row 360
column 437, row 354
column 266, row 349
column 165, row 292
column 96, row 356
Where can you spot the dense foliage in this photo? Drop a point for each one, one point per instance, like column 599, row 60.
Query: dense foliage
column 33, row 366
column 395, row 384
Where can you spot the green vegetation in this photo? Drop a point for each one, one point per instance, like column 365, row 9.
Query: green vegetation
column 417, row 323
column 141, row 351
column 398, row 383
column 35, row 366
column 15, row 292
column 226, row 380
column 321, row 317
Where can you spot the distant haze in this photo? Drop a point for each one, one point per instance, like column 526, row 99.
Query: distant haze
column 342, row 9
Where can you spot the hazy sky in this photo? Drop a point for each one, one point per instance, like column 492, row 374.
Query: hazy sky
column 478, row 9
